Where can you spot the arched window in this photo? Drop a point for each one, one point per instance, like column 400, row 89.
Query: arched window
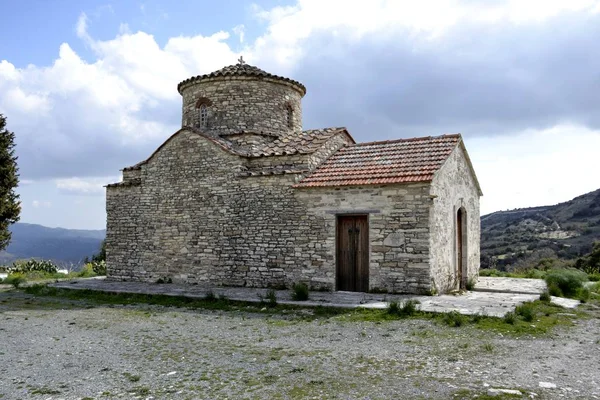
column 289, row 116
column 203, row 120
column 202, row 105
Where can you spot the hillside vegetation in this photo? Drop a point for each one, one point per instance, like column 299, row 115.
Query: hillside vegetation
column 547, row 236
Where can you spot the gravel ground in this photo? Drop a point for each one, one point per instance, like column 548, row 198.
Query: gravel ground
column 56, row 348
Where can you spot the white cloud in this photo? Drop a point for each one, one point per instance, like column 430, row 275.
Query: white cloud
column 41, row 204
column 120, row 105
column 239, row 30
column 535, row 168
column 353, row 19
column 84, row 186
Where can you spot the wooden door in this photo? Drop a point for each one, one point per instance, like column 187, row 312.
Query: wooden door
column 353, row 253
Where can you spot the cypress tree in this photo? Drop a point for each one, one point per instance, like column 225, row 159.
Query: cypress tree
column 10, row 206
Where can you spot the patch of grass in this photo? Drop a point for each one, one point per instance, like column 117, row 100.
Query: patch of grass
column 488, row 347
column 130, row 377
column 510, row 318
column 477, row 317
column 300, row 292
column 270, row 297
column 594, row 277
column 141, row 391
column 210, row 296
column 454, row 319
column 548, row 315
column 464, row 394
column 526, row 310
column 45, row 390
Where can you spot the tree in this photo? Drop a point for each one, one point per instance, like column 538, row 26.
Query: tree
column 101, row 255
column 10, row 206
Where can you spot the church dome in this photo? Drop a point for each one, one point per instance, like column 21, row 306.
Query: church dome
column 239, row 69
column 242, row 98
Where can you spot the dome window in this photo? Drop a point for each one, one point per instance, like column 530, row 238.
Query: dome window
column 203, row 115
column 202, row 111
column 289, row 116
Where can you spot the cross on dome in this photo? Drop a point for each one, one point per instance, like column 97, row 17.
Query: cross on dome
column 241, row 60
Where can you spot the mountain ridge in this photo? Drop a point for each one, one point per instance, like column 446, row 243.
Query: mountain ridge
column 62, row 245
column 525, row 236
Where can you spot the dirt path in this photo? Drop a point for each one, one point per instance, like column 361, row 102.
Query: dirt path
column 63, row 349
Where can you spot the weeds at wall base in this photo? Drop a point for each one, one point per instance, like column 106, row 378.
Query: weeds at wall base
column 540, row 318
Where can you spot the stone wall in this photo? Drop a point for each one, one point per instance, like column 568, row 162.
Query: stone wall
column 191, row 218
column 454, row 187
column 398, row 233
column 244, row 103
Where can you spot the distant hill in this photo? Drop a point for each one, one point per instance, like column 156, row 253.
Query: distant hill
column 63, row 246
column 524, row 236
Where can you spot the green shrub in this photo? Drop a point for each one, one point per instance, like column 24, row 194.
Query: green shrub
column 545, row 296
column 86, row 271
column 470, row 284
column 33, row 265
column 454, row 318
column 99, row 267
column 583, row 294
column 300, row 292
column 406, row 309
column 489, row 272
column 16, row 279
column 527, row 311
column 535, row 274
column 568, row 281
column 554, row 290
column 271, row 298
column 409, row 307
column 510, row 318
column 210, row 296
column 393, row 308
column 594, row 277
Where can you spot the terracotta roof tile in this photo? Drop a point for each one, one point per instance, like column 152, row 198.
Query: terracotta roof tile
column 394, row 161
column 306, row 142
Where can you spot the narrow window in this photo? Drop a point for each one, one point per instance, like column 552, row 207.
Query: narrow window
column 290, row 116
column 201, row 119
column 203, row 115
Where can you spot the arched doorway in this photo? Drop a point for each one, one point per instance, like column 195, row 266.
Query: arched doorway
column 461, row 248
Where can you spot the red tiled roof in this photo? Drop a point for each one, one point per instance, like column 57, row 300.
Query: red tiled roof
column 392, row 161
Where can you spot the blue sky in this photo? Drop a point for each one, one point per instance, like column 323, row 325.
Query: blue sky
column 89, row 87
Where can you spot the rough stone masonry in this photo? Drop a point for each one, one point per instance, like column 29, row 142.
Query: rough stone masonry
column 242, row 196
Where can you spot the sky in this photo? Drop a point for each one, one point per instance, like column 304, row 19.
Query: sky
column 89, row 87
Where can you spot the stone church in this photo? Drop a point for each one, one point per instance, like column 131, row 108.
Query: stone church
column 242, row 196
